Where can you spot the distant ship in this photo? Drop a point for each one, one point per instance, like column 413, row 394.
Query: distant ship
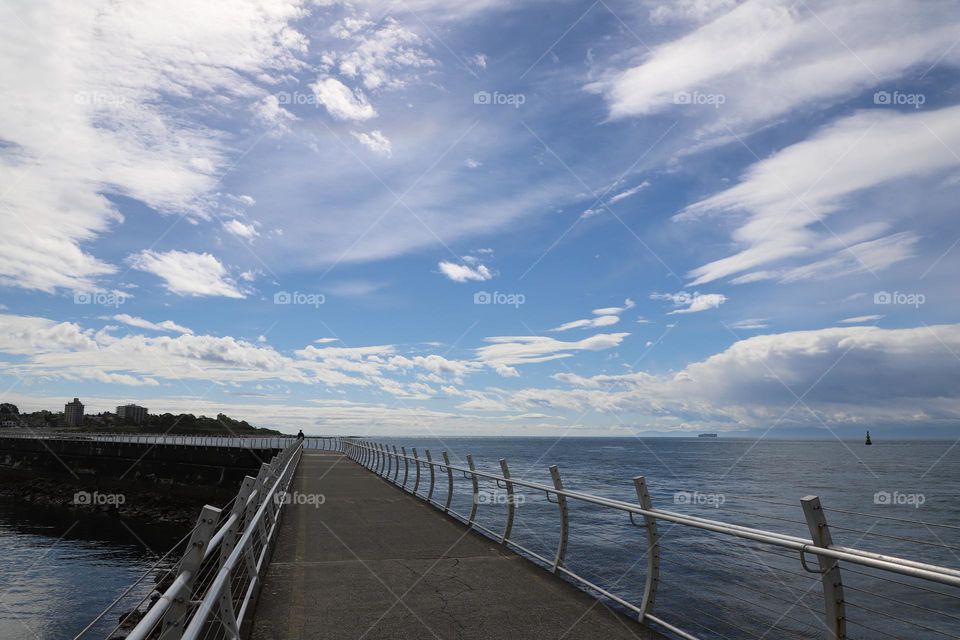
column 868, row 442
column 707, row 435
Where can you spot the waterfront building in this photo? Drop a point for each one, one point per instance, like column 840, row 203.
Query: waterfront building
column 131, row 413
column 73, row 413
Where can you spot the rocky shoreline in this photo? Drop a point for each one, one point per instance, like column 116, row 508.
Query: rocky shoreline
column 154, row 504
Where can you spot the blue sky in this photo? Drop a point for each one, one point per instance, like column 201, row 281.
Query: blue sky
column 517, row 218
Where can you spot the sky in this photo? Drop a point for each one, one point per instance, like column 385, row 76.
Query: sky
column 541, row 218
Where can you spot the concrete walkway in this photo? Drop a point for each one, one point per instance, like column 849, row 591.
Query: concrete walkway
column 374, row 562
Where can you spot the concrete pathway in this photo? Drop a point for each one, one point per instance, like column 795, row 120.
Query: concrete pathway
column 373, row 562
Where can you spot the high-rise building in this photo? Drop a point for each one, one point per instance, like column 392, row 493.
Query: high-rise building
column 73, row 413
column 132, row 413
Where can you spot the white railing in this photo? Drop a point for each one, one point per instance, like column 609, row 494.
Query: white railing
column 230, row 441
column 817, row 555
column 222, row 562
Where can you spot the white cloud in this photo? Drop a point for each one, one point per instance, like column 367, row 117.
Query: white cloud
column 464, row 273
column 769, row 57
column 514, row 350
column 695, row 10
column 751, row 323
column 473, row 164
column 478, row 60
column 166, row 325
column 623, row 195
column 609, row 311
column 187, row 273
column 268, row 110
column 605, row 317
column 241, row 229
column 588, row 323
column 340, row 102
column 849, row 376
column 386, row 55
column 861, row 319
column 375, row 141
column 789, row 196
column 104, row 81
column 695, row 302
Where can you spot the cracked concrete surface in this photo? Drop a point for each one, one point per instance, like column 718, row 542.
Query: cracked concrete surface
column 373, row 562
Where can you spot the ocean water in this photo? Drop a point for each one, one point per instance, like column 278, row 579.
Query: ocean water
column 57, row 572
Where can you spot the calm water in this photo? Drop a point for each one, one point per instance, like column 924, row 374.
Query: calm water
column 56, row 573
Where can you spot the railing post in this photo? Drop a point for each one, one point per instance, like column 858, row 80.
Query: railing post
column 653, row 548
column 396, row 469
column 228, row 616
column 173, row 620
column 834, row 607
column 476, row 490
column 389, row 461
column 511, row 503
column 416, row 482
column 446, row 462
column 432, row 475
column 406, row 466
column 564, row 519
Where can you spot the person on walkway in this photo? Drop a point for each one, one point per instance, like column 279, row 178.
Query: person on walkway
column 300, row 435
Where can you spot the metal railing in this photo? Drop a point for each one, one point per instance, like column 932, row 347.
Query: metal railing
column 211, row 590
column 234, row 442
column 817, row 555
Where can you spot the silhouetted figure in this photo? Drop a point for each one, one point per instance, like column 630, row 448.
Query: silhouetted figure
column 300, row 435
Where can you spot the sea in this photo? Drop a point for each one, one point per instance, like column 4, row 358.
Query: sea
column 901, row 498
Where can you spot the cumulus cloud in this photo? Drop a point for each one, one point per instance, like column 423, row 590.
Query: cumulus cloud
column 848, row 375
column 375, row 141
column 166, row 325
column 243, row 230
column 186, row 273
column 385, row 55
column 342, row 103
column 464, row 273
column 268, row 110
